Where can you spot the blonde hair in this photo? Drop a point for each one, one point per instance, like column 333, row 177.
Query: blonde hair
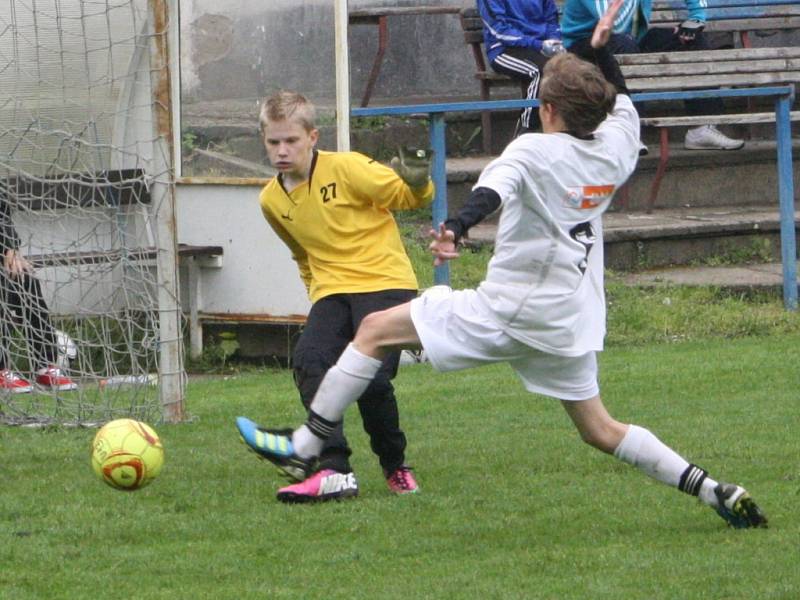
column 579, row 92
column 285, row 105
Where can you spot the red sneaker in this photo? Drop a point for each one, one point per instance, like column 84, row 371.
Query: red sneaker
column 53, row 378
column 13, row 383
column 401, row 480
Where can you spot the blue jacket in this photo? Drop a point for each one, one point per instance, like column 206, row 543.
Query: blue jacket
column 517, row 24
column 581, row 16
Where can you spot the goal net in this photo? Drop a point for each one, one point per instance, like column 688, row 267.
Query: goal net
column 89, row 314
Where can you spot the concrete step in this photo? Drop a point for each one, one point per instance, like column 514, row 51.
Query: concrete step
column 738, row 277
column 635, row 241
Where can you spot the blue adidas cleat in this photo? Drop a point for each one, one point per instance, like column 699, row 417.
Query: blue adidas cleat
column 737, row 507
column 275, row 445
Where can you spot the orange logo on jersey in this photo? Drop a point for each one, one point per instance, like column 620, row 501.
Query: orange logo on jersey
column 588, row 196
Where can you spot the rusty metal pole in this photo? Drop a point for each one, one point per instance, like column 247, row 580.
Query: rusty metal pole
column 162, row 191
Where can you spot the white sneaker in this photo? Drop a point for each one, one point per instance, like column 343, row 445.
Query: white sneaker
column 708, row 137
column 67, row 349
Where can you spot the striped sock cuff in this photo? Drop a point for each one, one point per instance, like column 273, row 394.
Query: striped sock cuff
column 320, row 426
column 692, row 479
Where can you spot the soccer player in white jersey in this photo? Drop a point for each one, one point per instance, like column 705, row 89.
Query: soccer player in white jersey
column 541, row 307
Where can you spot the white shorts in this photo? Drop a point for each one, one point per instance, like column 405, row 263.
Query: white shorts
column 456, row 334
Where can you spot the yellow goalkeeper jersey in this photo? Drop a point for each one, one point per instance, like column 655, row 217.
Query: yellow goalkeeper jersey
column 339, row 227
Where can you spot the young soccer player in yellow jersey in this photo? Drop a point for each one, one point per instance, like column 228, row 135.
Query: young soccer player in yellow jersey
column 333, row 211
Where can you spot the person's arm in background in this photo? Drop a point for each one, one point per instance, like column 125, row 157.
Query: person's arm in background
column 13, row 262
column 551, row 17
column 496, row 16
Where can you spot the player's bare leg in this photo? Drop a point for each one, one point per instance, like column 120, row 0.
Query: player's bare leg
column 385, row 330
column 639, row 447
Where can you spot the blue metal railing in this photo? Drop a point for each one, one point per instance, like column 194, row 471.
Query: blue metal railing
column 783, row 95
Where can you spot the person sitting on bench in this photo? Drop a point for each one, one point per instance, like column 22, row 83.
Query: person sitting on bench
column 21, row 300
column 519, row 37
column 632, row 34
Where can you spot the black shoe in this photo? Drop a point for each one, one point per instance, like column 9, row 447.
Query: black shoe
column 737, row 507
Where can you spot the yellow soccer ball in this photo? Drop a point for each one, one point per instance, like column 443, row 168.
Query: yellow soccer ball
column 127, row 454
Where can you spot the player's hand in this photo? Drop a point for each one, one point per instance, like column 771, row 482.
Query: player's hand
column 605, row 25
column 443, row 246
column 413, row 165
column 552, row 47
column 15, row 264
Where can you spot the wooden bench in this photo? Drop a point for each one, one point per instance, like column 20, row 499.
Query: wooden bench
column 117, row 256
column 190, row 256
column 745, row 68
column 740, row 17
column 645, row 74
column 118, row 187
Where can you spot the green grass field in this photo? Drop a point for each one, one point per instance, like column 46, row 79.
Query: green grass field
column 512, row 504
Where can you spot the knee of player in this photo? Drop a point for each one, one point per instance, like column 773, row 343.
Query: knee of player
column 602, row 436
column 372, row 331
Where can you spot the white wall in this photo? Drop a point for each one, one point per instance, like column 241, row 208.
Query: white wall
column 258, row 275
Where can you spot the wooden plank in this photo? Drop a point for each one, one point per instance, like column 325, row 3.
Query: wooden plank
column 755, row 24
column 60, row 259
column 661, row 4
column 740, row 54
column 730, row 13
column 371, row 15
column 711, row 68
column 496, row 78
column 740, row 119
column 471, row 23
column 238, row 318
column 710, row 81
column 473, row 37
column 94, row 257
column 192, row 250
column 102, row 188
column 763, row 24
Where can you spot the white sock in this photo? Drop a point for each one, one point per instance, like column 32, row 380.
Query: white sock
column 706, row 493
column 342, row 385
column 650, row 455
column 305, row 443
